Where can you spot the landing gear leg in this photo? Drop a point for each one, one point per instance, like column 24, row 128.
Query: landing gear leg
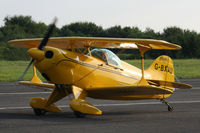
column 170, row 108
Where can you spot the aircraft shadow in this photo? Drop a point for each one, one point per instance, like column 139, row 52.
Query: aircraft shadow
column 108, row 116
column 54, row 117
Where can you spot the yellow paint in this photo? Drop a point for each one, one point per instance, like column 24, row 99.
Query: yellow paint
column 36, row 54
column 88, row 76
column 84, row 72
column 142, row 51
column 161, row 69
column 56, row 95
column 45, row 85
column 78, row 93
column 84, row 107
column 41, row 103
column 83, row 42
column 35, row 78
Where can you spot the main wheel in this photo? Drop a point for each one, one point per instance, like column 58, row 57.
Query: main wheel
column 79, row 114
column 39, row 112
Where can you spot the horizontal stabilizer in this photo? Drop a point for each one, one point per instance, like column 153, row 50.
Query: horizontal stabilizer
column 171, row 84
column 46, row 85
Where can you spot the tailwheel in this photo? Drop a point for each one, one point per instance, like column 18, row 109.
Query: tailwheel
column 170, row 108
column 79, row 114
column 39, row 112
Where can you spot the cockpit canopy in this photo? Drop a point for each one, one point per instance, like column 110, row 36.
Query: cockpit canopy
column 107, row 56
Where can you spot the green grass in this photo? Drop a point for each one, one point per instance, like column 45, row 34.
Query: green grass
column 189, row 68
column 11, row 70
column 184, row 68
column 137, row 63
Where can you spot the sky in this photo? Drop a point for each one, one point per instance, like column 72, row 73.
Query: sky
column 154, row 14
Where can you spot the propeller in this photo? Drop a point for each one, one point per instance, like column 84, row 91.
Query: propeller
column 41, row 46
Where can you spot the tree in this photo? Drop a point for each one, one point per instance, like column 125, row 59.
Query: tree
column 81, row 29
column 19, row 27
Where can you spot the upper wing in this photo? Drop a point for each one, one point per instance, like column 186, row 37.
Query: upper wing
column 81, row 42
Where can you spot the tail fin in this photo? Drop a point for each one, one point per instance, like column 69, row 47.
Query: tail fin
column 161, row 69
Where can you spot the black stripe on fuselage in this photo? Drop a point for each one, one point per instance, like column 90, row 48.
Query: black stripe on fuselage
column 95, row 67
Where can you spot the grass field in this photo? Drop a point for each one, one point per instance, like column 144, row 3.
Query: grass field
column 184, row 68
column 11, row 70
column 187, row 68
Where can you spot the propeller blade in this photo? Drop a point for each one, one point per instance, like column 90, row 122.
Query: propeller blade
column 41, row 46
column 22, row 75
column 47, row 35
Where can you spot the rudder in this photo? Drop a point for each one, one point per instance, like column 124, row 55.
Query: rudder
column 161, row 69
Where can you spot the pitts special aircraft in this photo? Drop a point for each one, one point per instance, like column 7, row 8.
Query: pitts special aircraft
column 70, row 67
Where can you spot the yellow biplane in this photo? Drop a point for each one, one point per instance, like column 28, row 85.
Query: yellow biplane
column 82, row 66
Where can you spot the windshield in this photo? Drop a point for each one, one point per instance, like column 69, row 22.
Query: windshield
column 107, row 56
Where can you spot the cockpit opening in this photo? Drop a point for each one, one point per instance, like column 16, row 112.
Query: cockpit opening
column 107, row 56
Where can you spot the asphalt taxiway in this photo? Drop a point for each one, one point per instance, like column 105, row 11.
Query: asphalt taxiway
column 149, row 116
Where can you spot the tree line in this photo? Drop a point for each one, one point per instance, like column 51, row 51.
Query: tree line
column 20, row 27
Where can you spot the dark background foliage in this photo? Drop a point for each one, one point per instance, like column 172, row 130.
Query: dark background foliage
column 19, row 27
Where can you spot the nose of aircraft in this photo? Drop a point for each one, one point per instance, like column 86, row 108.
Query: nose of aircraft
column 36, row 54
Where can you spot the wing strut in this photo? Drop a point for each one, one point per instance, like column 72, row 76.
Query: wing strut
column 142, row 50
column 35, row 78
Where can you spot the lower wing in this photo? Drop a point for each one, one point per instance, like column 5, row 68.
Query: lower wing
column 130, row 90
column 46, row 85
